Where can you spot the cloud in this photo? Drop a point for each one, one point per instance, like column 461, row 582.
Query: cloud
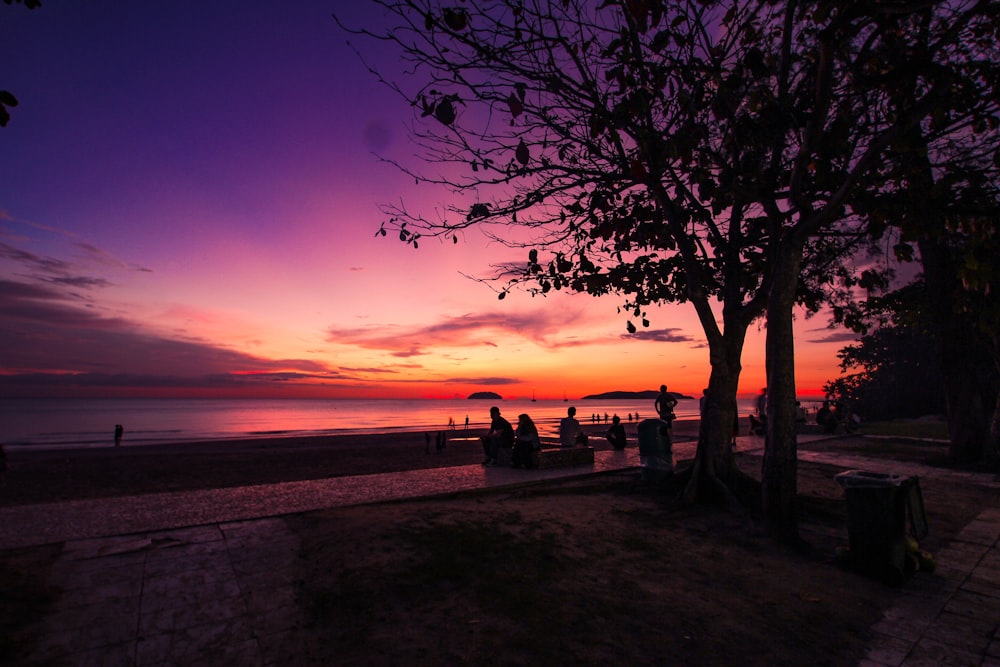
column 484, row 381
column 832, row 336
column 48, row 266
column 102, row 257
column 47, row 340
column 546, row 328
column 62, row 272
column 671, row 335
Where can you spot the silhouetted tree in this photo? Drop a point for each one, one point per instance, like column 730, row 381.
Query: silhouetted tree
column 941, row 192
column 893, row 371
column 672, row 151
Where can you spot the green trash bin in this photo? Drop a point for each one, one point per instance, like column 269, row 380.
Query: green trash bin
column 656, row 455
column 878, row 505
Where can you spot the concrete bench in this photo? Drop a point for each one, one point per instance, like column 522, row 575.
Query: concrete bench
column 561, row 457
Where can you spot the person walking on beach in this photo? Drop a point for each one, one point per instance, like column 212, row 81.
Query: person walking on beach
column 570, row 433
column 501, row 434
column 119, row 431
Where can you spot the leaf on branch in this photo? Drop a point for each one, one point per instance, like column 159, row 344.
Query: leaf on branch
column 478, row 211
column 631, row 327
column 426, row 108
column 7, row 99
column 445, row 112
column 515, row 105
column 502, row 295
column 456, row 19
column 660, row 41
column 522, row 154
column 903, row 252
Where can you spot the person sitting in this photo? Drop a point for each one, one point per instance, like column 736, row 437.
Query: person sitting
column 500, row 436
column 570, row 433
column 616, row 434
column 828, row 417
column 526, row 443
column 756, row 426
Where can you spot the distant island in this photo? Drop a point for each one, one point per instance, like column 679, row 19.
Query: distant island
column 624, row 395
column 485, row 394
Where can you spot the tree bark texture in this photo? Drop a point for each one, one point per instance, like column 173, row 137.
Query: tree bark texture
column 779, row 477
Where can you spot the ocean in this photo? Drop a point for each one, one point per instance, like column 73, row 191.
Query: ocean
column 59, row 423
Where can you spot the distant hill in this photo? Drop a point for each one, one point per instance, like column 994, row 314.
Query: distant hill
column 650, row 394
column 485, row 394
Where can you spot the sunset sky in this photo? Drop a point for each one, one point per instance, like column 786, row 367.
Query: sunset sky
column 188, row 207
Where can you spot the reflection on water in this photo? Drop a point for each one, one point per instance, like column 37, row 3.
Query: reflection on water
column 90, row 422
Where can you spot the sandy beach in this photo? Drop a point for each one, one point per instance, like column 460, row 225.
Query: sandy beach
column 42, row 475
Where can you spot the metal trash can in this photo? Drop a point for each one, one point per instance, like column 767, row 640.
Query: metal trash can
column 878, row 506
column 656, row 455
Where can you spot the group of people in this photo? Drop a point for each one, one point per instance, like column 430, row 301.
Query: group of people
column 523, row 442
column 831, row 415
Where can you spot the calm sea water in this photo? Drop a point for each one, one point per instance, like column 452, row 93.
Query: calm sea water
column 90, row 422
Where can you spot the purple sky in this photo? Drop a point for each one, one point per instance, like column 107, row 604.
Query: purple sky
column 188, row 205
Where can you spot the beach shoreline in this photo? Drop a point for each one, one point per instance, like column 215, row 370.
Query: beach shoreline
column 41, row 474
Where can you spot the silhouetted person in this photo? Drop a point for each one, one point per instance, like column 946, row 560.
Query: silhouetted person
column 526, row 443
column 616, row 434
column 119, row 431
column 665, row 404
column 501, row 434
column 570, row 433
column 827, row 418
column 762, row 406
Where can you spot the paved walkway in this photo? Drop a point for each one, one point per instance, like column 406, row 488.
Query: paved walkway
column 204, row 577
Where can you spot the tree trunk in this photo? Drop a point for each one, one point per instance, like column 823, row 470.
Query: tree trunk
column 779, row 476
column 965, row 362
column 713, row 466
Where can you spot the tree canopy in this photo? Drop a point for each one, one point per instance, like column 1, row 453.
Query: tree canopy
column 724, row 154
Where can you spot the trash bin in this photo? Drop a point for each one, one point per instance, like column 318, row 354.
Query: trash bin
column 655, row 450
column 878, row 505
